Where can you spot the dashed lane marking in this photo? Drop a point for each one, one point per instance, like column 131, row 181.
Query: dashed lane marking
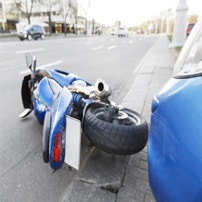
column 98, row 47
column 29, row 51
column 111, row 47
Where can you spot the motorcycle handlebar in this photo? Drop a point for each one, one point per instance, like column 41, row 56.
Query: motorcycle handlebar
column 34, row 63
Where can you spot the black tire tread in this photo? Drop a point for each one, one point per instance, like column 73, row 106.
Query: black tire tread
column 45, row 137
column 116, row 139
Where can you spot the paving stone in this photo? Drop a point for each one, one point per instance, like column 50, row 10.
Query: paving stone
column 130, row 195
column 85, row 192
column 105, row 170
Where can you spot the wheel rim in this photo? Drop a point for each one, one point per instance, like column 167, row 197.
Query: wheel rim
column 121, row 117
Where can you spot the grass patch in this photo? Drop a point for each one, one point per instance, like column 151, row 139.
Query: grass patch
column 177, row 49
column 170, row 36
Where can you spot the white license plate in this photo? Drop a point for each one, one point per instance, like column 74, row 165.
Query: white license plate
column 73, row 142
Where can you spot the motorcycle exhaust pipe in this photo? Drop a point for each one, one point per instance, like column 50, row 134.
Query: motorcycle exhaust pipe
column 102, row 89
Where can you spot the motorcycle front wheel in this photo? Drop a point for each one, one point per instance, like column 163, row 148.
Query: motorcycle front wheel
column 123, row 132
column 45, row 137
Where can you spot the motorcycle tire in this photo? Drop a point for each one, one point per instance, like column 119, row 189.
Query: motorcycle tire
column 45, row 137
column 117, row 136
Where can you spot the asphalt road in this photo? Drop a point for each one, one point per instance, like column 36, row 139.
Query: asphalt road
column 23, row 175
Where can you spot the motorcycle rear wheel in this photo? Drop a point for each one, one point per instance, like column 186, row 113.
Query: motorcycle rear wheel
column 123, row 133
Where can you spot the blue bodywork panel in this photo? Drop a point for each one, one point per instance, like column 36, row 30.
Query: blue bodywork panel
column 175, row 142
column 44, row 100
column 52, row 95
column 64, row 78
column 61, row 107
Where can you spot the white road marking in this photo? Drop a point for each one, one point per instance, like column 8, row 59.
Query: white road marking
column 98, row 47
column 89, row 42
column 4, row 69
column 111, row 47
column 29, row 51
column 42, row 66
column 137, row 68
column 113, row 39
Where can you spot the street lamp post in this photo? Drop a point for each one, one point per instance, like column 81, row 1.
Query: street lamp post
column 179, row 34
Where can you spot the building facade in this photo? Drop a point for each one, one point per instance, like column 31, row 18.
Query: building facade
column 56, row 16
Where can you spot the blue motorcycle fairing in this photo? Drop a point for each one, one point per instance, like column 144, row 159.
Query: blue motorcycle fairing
column 60, row 108
column 46, row 90
column 44, row 95
column 64, row 78
column 39, row 111
column 175, row 142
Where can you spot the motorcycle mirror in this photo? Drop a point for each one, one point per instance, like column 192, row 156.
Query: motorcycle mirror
column 29, row 60
column 34, row 63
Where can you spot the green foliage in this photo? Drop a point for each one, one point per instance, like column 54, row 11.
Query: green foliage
column 170, row 36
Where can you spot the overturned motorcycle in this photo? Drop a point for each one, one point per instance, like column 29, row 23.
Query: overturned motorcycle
column 66, row 104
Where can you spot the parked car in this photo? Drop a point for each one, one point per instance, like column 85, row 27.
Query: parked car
column 113, row 31
column 32, row 32
column 122, row 32
column 175, row 137
column 189, row 28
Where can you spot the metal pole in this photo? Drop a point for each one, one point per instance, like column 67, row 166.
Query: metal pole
column 180, row 26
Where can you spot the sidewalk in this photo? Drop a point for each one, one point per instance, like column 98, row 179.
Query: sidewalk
column 106, row 177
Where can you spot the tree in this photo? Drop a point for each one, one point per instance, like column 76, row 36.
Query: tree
column 64, row 14
column 192, row 19
column 48, row 5
column 25, row 8
column 75, row 13
column 68, row 9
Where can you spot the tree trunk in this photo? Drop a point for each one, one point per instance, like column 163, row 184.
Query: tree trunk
column 50, row 23
column 29, row 19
